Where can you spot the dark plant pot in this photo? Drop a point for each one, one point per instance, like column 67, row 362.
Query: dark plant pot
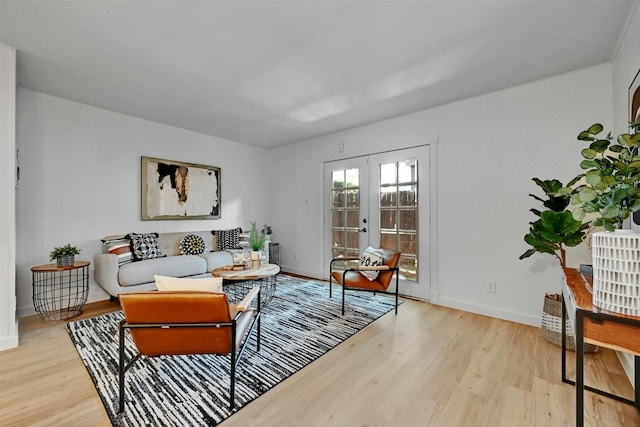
column 65, row 261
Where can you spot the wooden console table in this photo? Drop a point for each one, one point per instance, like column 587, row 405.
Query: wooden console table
column 595, row 326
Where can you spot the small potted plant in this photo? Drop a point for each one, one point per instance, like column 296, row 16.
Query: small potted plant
column 64, row 255
column 257, row 240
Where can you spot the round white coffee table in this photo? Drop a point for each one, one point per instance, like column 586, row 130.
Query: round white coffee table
column 236, row 283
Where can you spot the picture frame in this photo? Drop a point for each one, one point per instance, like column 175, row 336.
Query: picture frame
column 634, row 115
column 173, row 190
column 634, row 99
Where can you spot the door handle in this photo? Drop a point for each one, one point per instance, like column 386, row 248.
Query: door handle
column 363, row 230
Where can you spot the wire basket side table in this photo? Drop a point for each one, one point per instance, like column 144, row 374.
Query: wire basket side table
column 60, row 293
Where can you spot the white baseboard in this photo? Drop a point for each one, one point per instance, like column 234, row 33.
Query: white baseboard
column 513, row 316
column 10, row 341
column 306, row 273
column 26, row 311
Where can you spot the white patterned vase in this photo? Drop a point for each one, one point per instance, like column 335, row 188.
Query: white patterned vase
column 616, row 271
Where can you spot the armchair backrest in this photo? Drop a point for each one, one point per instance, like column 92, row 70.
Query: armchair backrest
column 171, row 307
column 391, row 259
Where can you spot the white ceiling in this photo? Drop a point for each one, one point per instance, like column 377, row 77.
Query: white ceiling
column 270, row 73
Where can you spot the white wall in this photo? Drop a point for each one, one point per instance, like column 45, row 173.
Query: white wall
column 626, row 64
column 489, row 149
column 8, row 319
column 80, row 180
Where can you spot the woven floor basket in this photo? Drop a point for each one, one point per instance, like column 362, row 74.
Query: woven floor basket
column 552, row 324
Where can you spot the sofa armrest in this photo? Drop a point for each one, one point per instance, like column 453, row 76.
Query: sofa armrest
column 106, row 272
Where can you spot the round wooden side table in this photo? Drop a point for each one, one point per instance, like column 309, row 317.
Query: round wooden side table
column 60, row 293
column 237, row 284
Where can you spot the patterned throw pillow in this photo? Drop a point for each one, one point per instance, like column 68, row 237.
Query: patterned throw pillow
column 119, row 246
column 192, row 244
column 371, row 257
column 145, row 246
column 228, row 239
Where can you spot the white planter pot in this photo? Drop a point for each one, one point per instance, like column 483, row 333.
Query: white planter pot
column 616, row 271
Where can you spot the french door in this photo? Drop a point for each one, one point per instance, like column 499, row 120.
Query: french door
column 381, row 200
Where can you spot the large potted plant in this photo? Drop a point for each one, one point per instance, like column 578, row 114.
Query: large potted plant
column 611, row 187
column 611, row 193
column 553, row 231
column 556, row 228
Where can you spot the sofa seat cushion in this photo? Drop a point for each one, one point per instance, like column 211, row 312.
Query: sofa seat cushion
column 139, row 272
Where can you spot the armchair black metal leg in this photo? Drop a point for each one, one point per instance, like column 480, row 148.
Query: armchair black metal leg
column 121, row 370
column 344, row 287
column 397, row 290
column 637, row 381
column 330, row 283
column 232, row 385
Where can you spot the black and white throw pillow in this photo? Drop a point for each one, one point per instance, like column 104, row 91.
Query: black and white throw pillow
column 192, row 244
column 145, row 246
column 228, row 239
column 119, row 246
column 370, row 258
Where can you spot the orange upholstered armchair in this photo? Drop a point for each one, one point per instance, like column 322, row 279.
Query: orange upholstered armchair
column 374, row 278
column 187, row 322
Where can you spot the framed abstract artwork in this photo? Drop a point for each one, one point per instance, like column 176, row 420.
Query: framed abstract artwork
column 634, row 116
column 634, row 99
column 179, row 190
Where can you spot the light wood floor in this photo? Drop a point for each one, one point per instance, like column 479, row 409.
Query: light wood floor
column 427, row 366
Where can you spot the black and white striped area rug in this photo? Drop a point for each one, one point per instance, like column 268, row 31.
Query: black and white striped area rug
column 299, row 325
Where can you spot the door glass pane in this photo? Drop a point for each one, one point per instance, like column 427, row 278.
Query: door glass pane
column 388, row 196
column 353, row 217
column 388, row 240
column 352, row 178
column 388, row 174
column 408, row 219
column 352, row 240
column 337, row 178
column 345, row 212
column 388, row 219
column 353, row 198
column 337, row 197
column 408, row 171
column 408, row 243
column 399, row 213
column 337, row 217
column 408, row 195
column 409, row 267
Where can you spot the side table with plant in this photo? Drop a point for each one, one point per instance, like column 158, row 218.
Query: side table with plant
column 611, row 193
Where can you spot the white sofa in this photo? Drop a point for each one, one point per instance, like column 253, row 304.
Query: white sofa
column 138, row 275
